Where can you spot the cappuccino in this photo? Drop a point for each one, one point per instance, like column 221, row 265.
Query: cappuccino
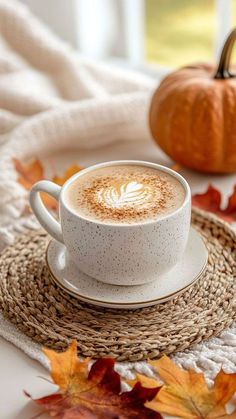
column 124, row 194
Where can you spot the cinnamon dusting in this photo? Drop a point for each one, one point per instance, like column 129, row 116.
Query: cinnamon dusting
column 147, row 194
column 128, row 213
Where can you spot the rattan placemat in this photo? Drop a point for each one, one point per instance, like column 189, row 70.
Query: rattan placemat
column 30, row 299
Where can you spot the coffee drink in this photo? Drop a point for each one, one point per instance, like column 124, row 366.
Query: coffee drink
column 122, row 222
column 125, row 194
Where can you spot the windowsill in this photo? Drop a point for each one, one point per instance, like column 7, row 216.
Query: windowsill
column 149, row 69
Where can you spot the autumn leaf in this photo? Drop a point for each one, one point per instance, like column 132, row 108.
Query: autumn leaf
column 176, row 167
column 230, row 210
column 185, row 394
column 28, row 173
column 211, row 201
column 96, row 394
column 31, row 172
column 68, row 173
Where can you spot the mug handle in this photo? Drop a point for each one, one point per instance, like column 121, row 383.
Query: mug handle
column 47, row 221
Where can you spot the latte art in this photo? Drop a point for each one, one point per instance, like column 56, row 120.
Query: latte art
column 125, row 195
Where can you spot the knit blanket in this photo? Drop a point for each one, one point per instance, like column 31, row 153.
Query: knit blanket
column 53, row 99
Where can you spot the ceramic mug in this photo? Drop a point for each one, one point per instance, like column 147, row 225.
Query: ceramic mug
column 122, row 254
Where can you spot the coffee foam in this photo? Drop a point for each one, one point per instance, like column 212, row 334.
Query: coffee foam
column 125, row 194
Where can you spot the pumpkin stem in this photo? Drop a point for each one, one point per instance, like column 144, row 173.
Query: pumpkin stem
column 224, row 63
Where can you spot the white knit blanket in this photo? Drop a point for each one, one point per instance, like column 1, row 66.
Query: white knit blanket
column 51, row 100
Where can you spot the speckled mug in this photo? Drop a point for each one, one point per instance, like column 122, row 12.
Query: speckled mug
column 121, row 254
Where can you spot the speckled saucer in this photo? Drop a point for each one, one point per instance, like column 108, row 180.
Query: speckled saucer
column 66, row 274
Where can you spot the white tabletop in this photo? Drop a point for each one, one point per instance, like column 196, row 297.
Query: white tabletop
column 19, row 372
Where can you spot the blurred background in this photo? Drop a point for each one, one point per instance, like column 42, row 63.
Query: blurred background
column 153, row 34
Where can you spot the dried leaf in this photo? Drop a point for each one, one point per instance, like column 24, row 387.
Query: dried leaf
column 95, row 394
column 32, row 172
column 186, row 394
column 176, row 167
column 29, row 173
column 69, row 172
column 231, row 207
column 211, row 201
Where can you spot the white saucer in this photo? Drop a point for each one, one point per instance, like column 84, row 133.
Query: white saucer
column 66, row 274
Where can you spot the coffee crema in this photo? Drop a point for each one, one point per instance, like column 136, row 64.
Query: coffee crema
column 125, row 194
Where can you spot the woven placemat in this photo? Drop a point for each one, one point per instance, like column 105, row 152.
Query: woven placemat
column 43, row 311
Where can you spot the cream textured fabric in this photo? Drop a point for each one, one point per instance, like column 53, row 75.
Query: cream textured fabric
column 52, row 99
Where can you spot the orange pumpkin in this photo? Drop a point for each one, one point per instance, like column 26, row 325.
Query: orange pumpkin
column 193, row 115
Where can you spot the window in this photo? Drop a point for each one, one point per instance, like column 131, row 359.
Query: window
column 167, row 33
column 179, row 31
column 182, row 31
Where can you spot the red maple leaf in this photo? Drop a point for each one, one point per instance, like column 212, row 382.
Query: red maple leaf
column 211, row 201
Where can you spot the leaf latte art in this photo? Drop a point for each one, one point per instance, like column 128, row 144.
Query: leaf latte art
column 122, row 194
column 126, row 194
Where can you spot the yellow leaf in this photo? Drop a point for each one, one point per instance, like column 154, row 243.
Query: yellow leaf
column 69, row 172
column 67, row 371
column 185, row 394
column 145, row 381
column 31, row 172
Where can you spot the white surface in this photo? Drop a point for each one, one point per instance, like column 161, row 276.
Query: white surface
column 18, row 373
column 168, row 285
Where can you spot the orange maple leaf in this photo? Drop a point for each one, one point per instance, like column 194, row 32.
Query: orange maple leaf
column 28, row 173
column 211, row 201
column 68, row 173
column 176, row 167
column 92, row 395
column 31, row 172
column 185, row 394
